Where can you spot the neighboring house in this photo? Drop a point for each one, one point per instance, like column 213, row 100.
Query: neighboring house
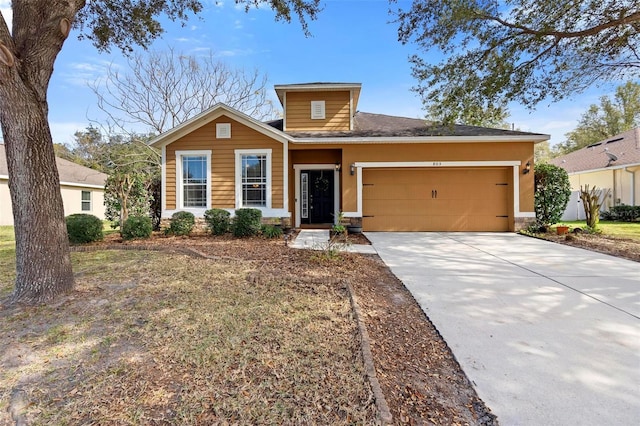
column 325, row 157
column 82, row 189
column 612, row 164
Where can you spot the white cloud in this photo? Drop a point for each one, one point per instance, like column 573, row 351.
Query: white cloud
column 238, row 24
column 83, row 73
column 234, row 52
column 7, row 12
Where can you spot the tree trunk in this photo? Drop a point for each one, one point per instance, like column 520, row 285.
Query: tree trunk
column 28, row 52
column 43, row 264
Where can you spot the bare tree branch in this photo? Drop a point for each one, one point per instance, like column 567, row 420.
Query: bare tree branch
column 163, row 89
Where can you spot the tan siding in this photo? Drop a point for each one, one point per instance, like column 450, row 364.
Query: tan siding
column 337, row 111
column 223, row 161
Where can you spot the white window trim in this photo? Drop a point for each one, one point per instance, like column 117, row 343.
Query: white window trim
column 239, row 153
column 321, row 115
column 84, row 201
column 179, row 189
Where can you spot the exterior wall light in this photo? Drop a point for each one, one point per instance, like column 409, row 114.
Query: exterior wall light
column 352, row 169
column 527, row 168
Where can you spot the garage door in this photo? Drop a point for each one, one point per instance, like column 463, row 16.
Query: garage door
column 469, row 199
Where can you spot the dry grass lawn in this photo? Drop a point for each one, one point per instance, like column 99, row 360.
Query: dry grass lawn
column 157, row 338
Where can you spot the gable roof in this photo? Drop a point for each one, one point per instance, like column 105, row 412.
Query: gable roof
column 369, row 126
column 71, row 174
column 625, row 148
column 208, row 116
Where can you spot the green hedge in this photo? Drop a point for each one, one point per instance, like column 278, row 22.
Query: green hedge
column 182, row 223
column 622, row 213
column 83, row 228
column 247, row 222
column 136, row 227
column 218, row 221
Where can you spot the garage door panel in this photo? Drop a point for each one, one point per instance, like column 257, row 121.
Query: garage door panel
column 475, row 199
column 394, row 191
column 387, row 208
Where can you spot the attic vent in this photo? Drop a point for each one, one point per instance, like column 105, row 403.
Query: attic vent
column 614, row 140
column 223, row 130
column 317, row 110
column 594, row 145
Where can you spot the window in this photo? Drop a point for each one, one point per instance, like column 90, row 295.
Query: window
column 317, row 110
column 86, row 201
column 253, row 178
column 194, row 179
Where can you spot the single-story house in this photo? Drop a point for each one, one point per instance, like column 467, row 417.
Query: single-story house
column 612, row 164
column 82, row 189
column 324, row 157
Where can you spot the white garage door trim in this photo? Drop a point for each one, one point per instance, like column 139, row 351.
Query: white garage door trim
column 515, row 165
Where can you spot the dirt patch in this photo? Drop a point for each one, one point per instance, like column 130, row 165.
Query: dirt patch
column 625, row 248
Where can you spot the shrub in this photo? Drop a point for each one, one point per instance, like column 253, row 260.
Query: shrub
column 247, row 222
column 218, row 221
column 136, row 227
column 552, row 192
column 83, row 228
column 182, row 223
column 271, row 231
column 622, row 213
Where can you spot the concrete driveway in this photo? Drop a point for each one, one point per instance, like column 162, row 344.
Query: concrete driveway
column 548, row 334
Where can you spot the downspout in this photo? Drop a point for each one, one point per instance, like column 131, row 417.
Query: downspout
column 632, row 199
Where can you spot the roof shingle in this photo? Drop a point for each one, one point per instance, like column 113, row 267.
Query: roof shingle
column 69, row 172
column 379, row 125
column 624, row 147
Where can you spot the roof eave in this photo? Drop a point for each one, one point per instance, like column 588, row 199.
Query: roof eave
column 422, row 139
column 602, row 169
column 280, row 89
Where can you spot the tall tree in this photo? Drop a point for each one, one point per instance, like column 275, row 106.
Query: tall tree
column 162, row 89
column 27, row 54
column 602, row 121
column 520, row 50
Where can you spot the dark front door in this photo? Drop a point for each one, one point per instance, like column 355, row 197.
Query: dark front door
column 317, row 187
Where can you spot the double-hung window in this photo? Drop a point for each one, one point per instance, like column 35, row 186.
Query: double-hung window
column 86, row 201
column 194, row 174
column 253, row 178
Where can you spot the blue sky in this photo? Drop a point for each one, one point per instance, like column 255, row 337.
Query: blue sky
column 352, row 41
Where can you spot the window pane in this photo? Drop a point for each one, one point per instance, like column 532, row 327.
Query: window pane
column 194, row 181
column 194, row 169
column 86, row 201
column 254, row 180
column 254, row 195
column 195, row 196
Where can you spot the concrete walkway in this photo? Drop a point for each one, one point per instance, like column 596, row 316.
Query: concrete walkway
column 548, row 334
column 318, row 239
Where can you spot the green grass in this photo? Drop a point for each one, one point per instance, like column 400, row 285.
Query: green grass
column 7, row 260
column 616, row 229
